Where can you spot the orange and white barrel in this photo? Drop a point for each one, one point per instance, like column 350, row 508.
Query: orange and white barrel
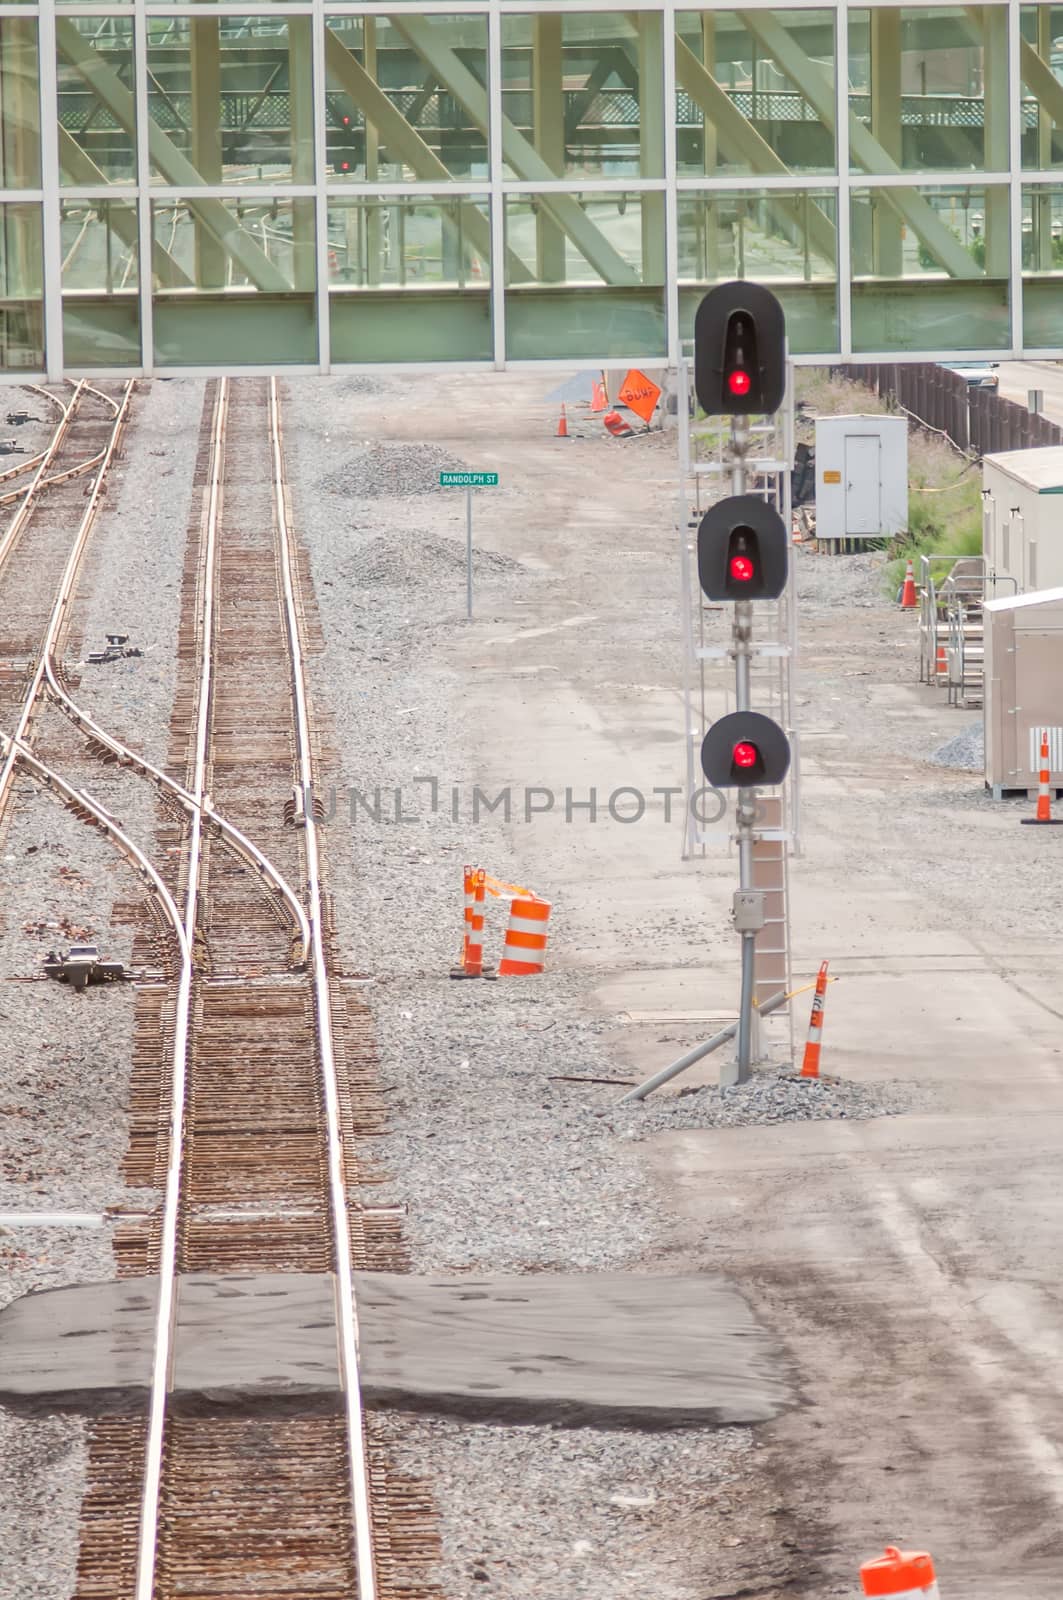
column 900, row 1575
column 524, row 951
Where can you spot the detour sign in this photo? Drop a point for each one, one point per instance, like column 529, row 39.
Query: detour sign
column 640, row 394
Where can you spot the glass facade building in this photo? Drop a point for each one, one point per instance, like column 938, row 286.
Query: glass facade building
column 207, row 186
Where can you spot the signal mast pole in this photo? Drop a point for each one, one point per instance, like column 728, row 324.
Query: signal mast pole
column 743, row 555
column 749, row 905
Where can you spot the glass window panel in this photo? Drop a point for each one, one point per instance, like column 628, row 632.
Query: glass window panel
column 584, row 275
column 21, row 288
column 233, row 97
column 20, row 136
column 929, row 89
column 930, row 268
column 410, row 278
column 786, row 240
column 1041, row 69
column 583, row 95
column 406, row 98
column 97, row 115
column 755, row 92
column 234, row 281
column 1042, row 264
column 101, row 307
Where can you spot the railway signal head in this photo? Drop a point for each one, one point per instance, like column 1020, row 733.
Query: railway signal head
column 745, row 750
column 743, row 553
column 739, row 351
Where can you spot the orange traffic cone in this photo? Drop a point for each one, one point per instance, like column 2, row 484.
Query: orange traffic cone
column 472, row 951
column 562, row 427
column 1043, row 814
column 600, row 395
column 909, row 598
column 941, row 666
column 810, row 1064
column 900, row 1575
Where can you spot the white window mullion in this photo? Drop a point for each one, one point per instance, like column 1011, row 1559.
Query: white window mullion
column 52, row 259
column 1018, row 338
column 844, row 264
column 324, row 306
column 145, row 265
column 495, row 159
column 671, row 198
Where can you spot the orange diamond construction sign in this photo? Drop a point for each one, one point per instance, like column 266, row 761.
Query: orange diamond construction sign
column 640, row 394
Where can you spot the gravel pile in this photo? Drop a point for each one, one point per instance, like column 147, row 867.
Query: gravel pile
column 390, row 471
column 768, row 1097
column 826, row 580
column 966, row 752
column 410, row 557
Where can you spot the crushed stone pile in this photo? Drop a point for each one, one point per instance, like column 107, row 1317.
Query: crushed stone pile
column 966, row 752
column 383, row 471
column 769, row 1096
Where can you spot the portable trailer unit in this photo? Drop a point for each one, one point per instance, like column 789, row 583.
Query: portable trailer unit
column 1022, row 520
column 1023, row 689
column 861, row 480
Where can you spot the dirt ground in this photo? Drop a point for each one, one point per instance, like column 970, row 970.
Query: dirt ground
column 908, row 1264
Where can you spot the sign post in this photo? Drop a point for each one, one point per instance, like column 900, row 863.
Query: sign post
column 468, row 481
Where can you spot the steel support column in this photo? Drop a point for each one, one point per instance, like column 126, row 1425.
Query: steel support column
column 548, row 128
column 652, row 122
column 885, row 29
column 993, row 22
column 205, row 70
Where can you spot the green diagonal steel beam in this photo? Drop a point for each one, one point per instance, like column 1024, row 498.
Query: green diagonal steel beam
column 817, row 89
column 174, row 166
column 81, row 169
column 519, row 152
column 365, row 92
column 725, row 116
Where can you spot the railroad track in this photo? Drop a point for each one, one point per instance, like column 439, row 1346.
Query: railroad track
column 253, row 1087
column 48, row 533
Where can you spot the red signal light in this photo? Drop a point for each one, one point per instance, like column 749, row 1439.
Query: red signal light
column 741, row 569
column 345, row 166
column 745, row 755
column 739, row 381
column 345, row 119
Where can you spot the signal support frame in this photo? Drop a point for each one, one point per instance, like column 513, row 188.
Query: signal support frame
column 757, row 458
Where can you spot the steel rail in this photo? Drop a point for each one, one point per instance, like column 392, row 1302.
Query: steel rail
column 347, row 1319
column 237, row 841
column 141, row 863
column 148, row 1532
column 58, row 615
column 18, row 521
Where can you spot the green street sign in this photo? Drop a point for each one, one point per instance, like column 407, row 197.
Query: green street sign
column 468, row 480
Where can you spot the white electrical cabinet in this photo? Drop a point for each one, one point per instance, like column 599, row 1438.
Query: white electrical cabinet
column 1023, row 689
column 1022, row 501
column 861, row 479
